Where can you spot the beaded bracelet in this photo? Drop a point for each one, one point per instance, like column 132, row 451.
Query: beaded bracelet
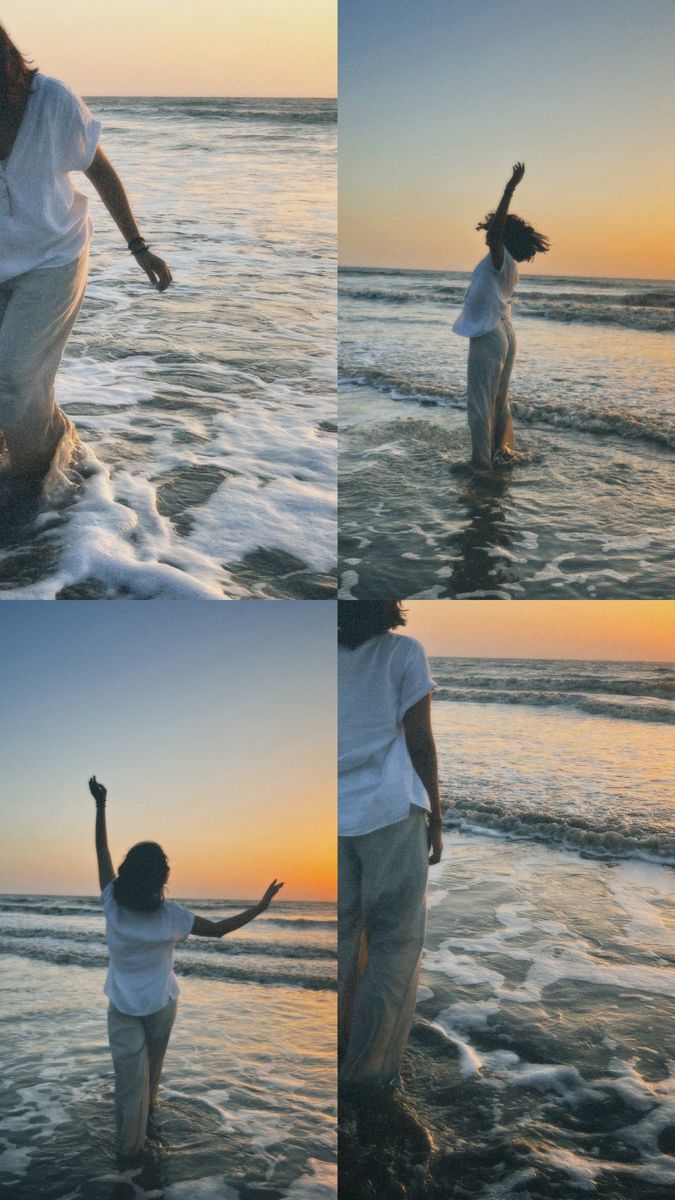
column 137, row 245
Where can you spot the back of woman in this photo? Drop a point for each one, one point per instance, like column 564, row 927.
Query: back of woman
column 141, row 978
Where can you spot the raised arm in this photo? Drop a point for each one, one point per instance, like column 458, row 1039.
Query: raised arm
column 495, row 234
column 111, row 190
column 419, row 739
column 205, row 928
column 105, row 868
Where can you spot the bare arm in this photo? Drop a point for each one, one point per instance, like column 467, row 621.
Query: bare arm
column 105, row 868
column 495, row 234
column 202, row 927
column 422, row 750
column 111, row 190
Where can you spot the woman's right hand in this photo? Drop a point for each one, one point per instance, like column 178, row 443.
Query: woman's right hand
column 269, row 895
column 97, row 790
column 517, row 175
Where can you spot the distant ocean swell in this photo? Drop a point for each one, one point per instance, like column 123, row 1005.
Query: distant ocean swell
column 650, row 311
column 630, row 709
column 26, row 904
column 570, row 832
column 94, row 957
column 565, row 415
column 227, row 946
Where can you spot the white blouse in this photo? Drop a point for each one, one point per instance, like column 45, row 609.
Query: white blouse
column 141, row 978
column 488, row 297
column 377, row 683
column 44, row 219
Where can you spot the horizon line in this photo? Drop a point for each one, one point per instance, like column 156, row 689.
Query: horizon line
column 538, row 658
column 198, row 96
column 468, row 270
column 179, row 899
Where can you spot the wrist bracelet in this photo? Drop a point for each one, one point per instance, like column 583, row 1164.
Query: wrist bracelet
column 137, row 245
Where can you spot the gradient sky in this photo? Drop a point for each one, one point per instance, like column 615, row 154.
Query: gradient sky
column 174, row 48
column 439, row 98
column 620, row 630
column 212, row 725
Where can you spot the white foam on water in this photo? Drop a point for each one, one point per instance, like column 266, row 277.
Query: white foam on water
column 210, row 1187
column 115, row 535
column 15, row 1160
column 348, row 580
column 320, row 1183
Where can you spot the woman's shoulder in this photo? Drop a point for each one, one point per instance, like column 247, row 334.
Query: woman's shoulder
column 405, row 646
column 55, row 91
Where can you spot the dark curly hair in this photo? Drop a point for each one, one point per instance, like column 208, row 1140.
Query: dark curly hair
column 521, row 239
column 359, row 620
column 141, row 878
column 16, row 78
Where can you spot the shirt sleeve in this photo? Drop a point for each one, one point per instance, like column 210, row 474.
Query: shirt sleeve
column 416, row 679
column 80, row 133
column 107, row 896
column 182, row 921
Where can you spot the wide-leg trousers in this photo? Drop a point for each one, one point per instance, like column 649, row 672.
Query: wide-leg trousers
column 491, row 358
column 138, row 1046
column 382, row 887
column 37, row 312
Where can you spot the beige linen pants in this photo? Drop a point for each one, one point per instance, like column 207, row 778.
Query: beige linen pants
column 138, row 1046
column 37, row 312
column 491, row 358
column 382, row 889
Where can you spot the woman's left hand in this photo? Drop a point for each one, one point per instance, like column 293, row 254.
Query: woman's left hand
column 155, row 268
column 269, row 895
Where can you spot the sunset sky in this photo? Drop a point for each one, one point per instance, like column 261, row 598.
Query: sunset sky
column 439, row 99
column 172, row 48
column 213, row 727
column 623, row 630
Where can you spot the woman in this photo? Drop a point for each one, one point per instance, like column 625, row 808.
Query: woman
column 46, row 132
column 486, row 320
column 389, row 827
column 142, row 928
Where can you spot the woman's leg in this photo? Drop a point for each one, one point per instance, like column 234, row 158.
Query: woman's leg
column 487, row 355
column 158, row 1028
column 39, row 315
column 502, row 438
column 128, row 1047
column 349, row 935
column 394, row 865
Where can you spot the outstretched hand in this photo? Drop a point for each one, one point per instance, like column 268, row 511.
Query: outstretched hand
column 269, row 895
column 517, row 175
column 97, row 790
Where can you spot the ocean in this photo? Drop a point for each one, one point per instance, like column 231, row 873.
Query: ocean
column 248, row 1089
column 207, row 414
column 587, row 511
column 543, row 1054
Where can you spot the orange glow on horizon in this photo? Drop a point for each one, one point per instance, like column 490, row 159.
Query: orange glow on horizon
column 629, row 630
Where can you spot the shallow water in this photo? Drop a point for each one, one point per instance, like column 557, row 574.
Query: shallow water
column 248, row 1090
column 586, row 513
column 548, row 977
column 577, row 754
column 207, row 414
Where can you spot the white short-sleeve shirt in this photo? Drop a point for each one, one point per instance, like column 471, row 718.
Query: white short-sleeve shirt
column 377, row 683
column 44, row 219
column 141, row 978
column 488, row 297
